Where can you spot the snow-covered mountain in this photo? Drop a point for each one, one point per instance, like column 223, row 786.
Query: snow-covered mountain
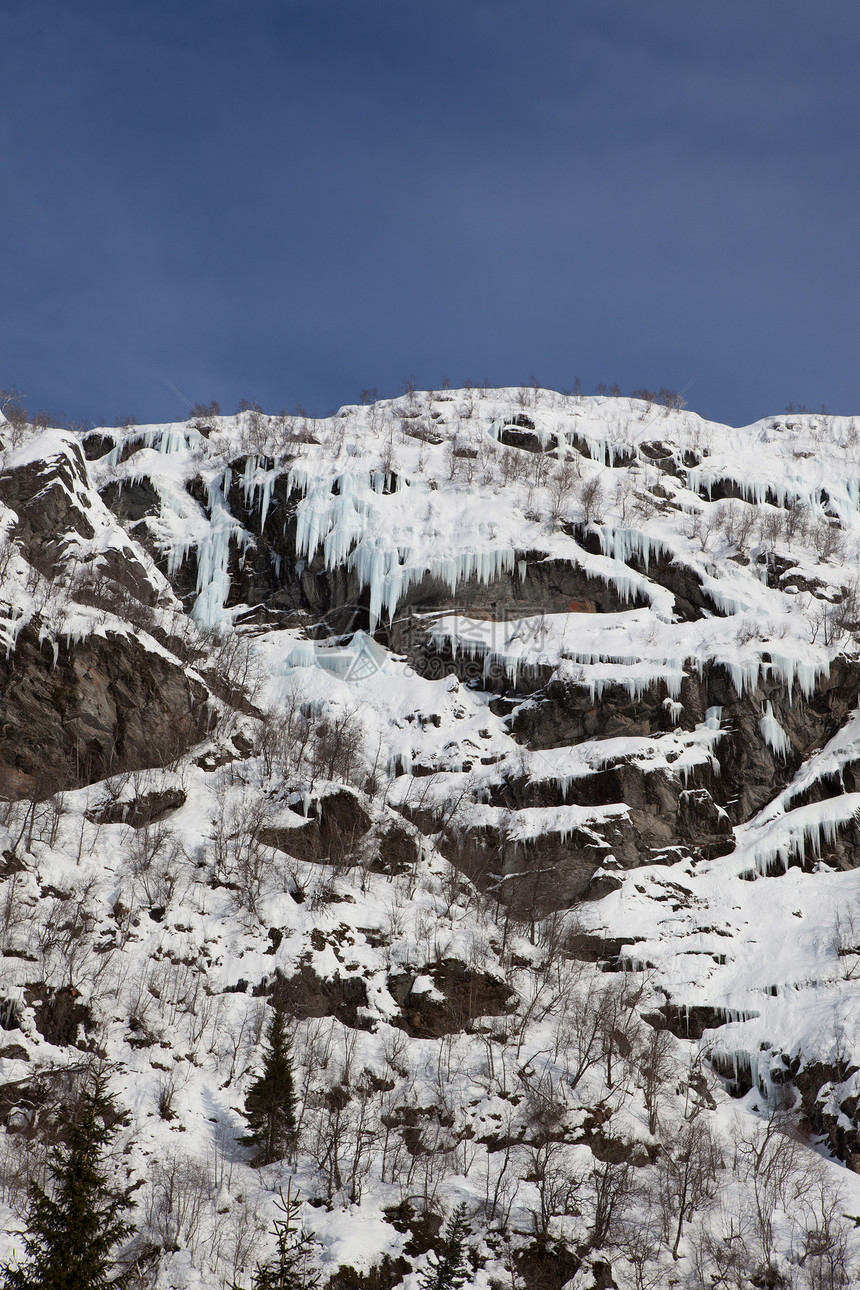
column 509, row 741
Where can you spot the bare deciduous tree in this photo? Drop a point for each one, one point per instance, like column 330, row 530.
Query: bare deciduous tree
column 558, row 1187
column 591, row 500
column 608, row 1190
column 779, row 1171
column 656, row 1065
column 686, row 1178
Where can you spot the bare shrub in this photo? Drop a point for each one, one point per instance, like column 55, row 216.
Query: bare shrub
column 242, row 861
column 512, row 464
column 10, row 549
column 538, row 468
column 823, row 1241
column 388, row 460
column 702, row 527
column 501, row 1185
column 736, row 522
column 176, row 1201
column 15, row 414
column 244, row 1231
column 592, row 501
column 562, row 488
column 647, row 396
column 671, row 400
column 594, row 1026
column 720, row 1254
column 772, row 530
column 167, row 1096
column 231, row 666
column 607, row 1191
column 203, row 411
column 845, row 942
column 18, row 1167
column 797, row 521
column 338, row 742
column 156, row 859
column 827, row 537
column 639, row 1241
column 66, row 934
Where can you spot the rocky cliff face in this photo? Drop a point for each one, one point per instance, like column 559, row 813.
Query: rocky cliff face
column 87, row 710
column 651, row 543
column 82, row 694
column 452, row 708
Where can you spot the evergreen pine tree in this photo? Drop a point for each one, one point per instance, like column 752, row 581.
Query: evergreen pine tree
column 270, row 1104
column 447, row 1269
column 72, row 1230
column 291, row 1267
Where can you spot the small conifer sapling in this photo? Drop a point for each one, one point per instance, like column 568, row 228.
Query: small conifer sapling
column 291, row 1267
column 74, row 1227
column 270, row 1104
column 448, row 1270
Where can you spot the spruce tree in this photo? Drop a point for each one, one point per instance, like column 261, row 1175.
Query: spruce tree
column 270, row 1104
column 447, row 1269
column 73, row 1228
column 291, row 1267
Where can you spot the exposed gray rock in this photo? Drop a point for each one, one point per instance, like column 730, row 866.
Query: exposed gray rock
column 105, row 705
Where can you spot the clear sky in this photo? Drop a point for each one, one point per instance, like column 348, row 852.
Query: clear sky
column 294, row 200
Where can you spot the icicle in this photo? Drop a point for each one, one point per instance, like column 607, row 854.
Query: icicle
column 172, row 439
column 620, row 544
column 213, row 555
column 773, row 733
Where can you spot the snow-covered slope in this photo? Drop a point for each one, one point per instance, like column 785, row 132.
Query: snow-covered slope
column 508, row 740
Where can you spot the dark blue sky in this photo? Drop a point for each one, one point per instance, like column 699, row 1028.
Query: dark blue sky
column 292, row 200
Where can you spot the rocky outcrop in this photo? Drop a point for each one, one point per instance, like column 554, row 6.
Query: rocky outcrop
column 44, row 496
column 666, row 816
column 141, row 811
column 750, row 770
column 60, row 1017
column 537, row 875
column 340, row 832
column 308, row 995
column 54, row 509
column 335, row 826
column 831, row 1110
column 458, row 996
column 99, row 706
